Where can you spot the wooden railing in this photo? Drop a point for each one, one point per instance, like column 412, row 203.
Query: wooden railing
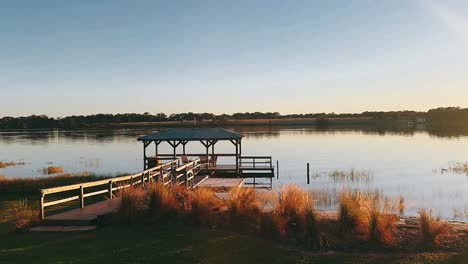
column 256, row 162
column 165, row 173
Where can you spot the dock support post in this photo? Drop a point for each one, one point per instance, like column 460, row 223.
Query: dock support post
column 110, row 190
column 42, row 206
column 81, row 196
column 308, row 174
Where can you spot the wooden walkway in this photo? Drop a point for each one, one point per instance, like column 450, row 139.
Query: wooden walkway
column 221, row 183
column 88, row 213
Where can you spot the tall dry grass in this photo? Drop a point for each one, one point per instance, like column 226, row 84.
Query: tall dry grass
column 25, row 215
column 351, row 217
column 291, row 204
column 431, row 230
column 383, row 222
column 312, row 236
column 4, row 164
column 132, row 202
column 52, row 170
column 244, row 207
column 205, row 205
column 161, row 201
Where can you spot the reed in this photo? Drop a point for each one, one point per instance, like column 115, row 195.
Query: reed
column 382, row 223
column 352, row 175
column 161, row 201
column 350, row 216
column 272, row 226
column 205, row 204
column 244, row 207
column 431, row 230
column 459, row 168
column 182, row 196
column 4, row 164
column 132, row 202
column 290, row 206
column 313, row 238
column 52, row 170
column 25, row 215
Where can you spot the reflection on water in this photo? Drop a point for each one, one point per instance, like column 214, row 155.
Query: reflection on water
column 397, row 161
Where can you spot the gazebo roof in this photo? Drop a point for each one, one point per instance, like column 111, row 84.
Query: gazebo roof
column 191, row 134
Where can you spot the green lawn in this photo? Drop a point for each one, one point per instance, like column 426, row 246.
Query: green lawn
column 153, row 243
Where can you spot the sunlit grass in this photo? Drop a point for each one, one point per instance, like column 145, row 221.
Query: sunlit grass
column 25, row 215
column 4, row 164
column 431, row 229
column 132, row 202
column 52, row 170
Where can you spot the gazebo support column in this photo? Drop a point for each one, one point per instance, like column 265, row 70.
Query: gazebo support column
column 236, row 144
column 145, row 145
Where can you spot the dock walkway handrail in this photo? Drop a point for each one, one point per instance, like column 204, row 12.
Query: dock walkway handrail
column 169, row 170
column 261, row 162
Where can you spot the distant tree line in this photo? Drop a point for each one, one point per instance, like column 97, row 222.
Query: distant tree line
column 439, row 115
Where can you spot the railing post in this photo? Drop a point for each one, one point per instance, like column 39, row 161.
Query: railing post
column 42, row 206
column 81, row 196
column 110, row 190
column 142, row 178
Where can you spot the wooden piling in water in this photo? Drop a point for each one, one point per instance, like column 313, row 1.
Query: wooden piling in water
column 308, row 173
column 277, row 169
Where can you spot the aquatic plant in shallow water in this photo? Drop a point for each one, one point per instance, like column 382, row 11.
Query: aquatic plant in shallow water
column 352, row 175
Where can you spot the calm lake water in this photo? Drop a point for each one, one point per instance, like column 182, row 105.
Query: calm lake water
column 403, row 163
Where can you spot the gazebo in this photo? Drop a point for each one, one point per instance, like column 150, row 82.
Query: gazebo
column 176, row 137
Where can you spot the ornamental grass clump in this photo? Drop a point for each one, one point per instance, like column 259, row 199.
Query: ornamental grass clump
column 161, row 201
column 431, row 230
column 291, row 205
column 205, row 206
column 244, row 207
column 351, row 217
column 24, row 215
column 312, row 236
column 382, row 223
column 132, row 202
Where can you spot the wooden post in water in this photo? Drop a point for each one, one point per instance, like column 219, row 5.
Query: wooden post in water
column 81, row 196
column 308, row 173
column 277, row 169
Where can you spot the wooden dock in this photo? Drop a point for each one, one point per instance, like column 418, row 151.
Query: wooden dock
column 221, row 184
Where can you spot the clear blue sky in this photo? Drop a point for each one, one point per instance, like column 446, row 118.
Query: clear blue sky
column 83, row 57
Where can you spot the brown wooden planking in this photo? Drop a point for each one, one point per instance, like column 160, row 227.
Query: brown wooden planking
column 89, row 212
column 221, row 183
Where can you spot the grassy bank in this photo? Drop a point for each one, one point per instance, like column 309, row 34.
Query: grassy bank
column 174, row 225
column 173, row 243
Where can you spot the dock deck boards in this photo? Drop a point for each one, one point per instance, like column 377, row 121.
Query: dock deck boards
column 221, row 183
column 88, row 213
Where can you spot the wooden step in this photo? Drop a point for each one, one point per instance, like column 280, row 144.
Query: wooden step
column 62, row 228
column 92, row 214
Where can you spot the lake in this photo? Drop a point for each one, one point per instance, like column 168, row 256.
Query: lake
column 411, row 163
